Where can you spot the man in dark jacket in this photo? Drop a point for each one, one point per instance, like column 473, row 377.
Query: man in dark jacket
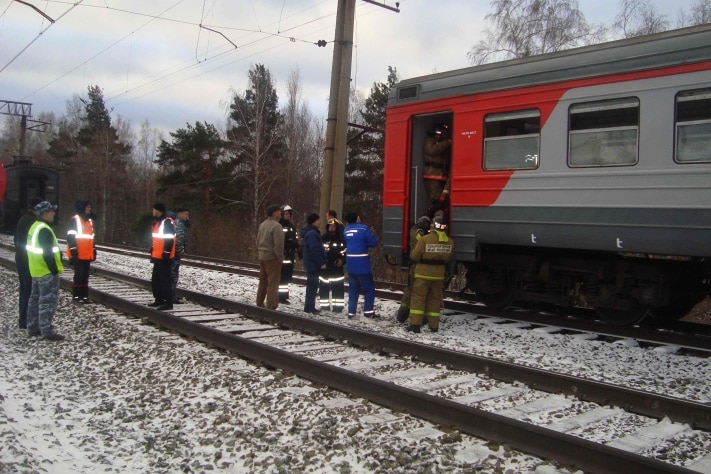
column 23, row 267
column 314, row 259
column 182, row 224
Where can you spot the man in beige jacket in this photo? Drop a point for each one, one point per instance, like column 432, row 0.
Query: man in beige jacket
column 270, row 246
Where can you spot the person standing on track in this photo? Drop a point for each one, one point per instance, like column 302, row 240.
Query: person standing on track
column 270, row 248
column 162, row 255
column 23, row 267
column 431, row 255
column 421, row 228
column 45, row 261
column 359, row 238
column 291, row 244
column 182, row 224
column 314, row 259
column 331, row 279
column 81, row 250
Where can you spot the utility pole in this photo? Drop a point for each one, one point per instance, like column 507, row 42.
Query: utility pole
column 334, row 162
column 336, row 127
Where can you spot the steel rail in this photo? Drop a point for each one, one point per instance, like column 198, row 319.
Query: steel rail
column 542, row 442
column 697, row 415
column 699, row 341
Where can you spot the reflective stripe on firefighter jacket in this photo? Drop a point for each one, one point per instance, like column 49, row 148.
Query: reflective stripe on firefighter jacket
column 163, row 239
column 431, row 253
column 35, row 252
column 80, row 239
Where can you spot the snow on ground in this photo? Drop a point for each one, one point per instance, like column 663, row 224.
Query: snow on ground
column 119, row 396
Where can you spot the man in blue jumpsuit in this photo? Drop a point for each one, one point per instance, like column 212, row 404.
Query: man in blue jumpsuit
column 359, row 238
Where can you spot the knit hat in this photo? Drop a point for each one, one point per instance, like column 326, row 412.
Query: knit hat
column 272, row 209
column 80, row 205
column 44, row 206
column 312, row 218
column 181, row 209
column 160, row 207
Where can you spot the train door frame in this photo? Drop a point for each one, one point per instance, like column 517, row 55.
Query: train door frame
column 420, row 126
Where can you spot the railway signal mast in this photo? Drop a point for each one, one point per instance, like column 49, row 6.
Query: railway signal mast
column 23, row 110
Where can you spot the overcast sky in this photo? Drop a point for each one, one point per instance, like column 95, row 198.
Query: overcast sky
column 154, row 62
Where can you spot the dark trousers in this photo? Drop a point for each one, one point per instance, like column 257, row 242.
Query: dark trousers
column 311, row 289
column 175, row 276
column 80, row 283
column 23, row 272
column 331, row 289
column 161, row 281
column 287, row 274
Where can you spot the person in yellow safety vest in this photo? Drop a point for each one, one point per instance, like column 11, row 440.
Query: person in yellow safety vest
column 431, row 254
column 421, row 227
column 162, row 255
column 45, row 262
column 81, row 250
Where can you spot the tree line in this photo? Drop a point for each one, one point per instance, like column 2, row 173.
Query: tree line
column 266, row 153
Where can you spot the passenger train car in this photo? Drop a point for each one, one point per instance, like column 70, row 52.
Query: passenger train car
column 580, row 178
column 23, row 181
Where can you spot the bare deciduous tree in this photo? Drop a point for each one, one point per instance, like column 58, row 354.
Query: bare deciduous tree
column 303, row 150
column 523, row 28
column 639, row 17
column 700, row 14
column 257, row 141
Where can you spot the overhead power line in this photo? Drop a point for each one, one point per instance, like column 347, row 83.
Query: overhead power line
column 52, row 22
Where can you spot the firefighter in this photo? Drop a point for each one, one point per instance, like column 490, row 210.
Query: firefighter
column 421, row 227
column 331, row 292
column 437, row 156
column 291, row 244
column 431, row 255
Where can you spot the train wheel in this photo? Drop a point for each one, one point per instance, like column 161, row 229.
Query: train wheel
column 500, row 299
column 622, row 317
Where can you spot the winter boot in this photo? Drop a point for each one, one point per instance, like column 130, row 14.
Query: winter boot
column 402, row 313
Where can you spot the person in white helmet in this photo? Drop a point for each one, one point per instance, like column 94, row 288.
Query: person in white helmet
column 291, row 244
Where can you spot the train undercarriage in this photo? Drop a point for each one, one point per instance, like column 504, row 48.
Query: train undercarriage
column 621, row 289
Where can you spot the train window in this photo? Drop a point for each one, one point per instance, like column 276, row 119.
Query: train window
column 693, row 127
column 407, row 92
column 512, row 140
column 604, row 133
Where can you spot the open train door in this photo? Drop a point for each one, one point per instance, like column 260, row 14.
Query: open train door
column 421, row 127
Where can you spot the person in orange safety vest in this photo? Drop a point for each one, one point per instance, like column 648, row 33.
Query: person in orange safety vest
column 81, row 250
column 162, row 255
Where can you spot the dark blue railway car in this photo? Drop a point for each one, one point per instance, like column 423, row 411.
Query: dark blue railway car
column 23, row 182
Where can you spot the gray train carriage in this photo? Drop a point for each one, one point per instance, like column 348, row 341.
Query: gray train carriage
column 580, row 178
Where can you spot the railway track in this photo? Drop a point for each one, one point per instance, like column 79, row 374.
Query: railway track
column 495, row 400
column 683, row 337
